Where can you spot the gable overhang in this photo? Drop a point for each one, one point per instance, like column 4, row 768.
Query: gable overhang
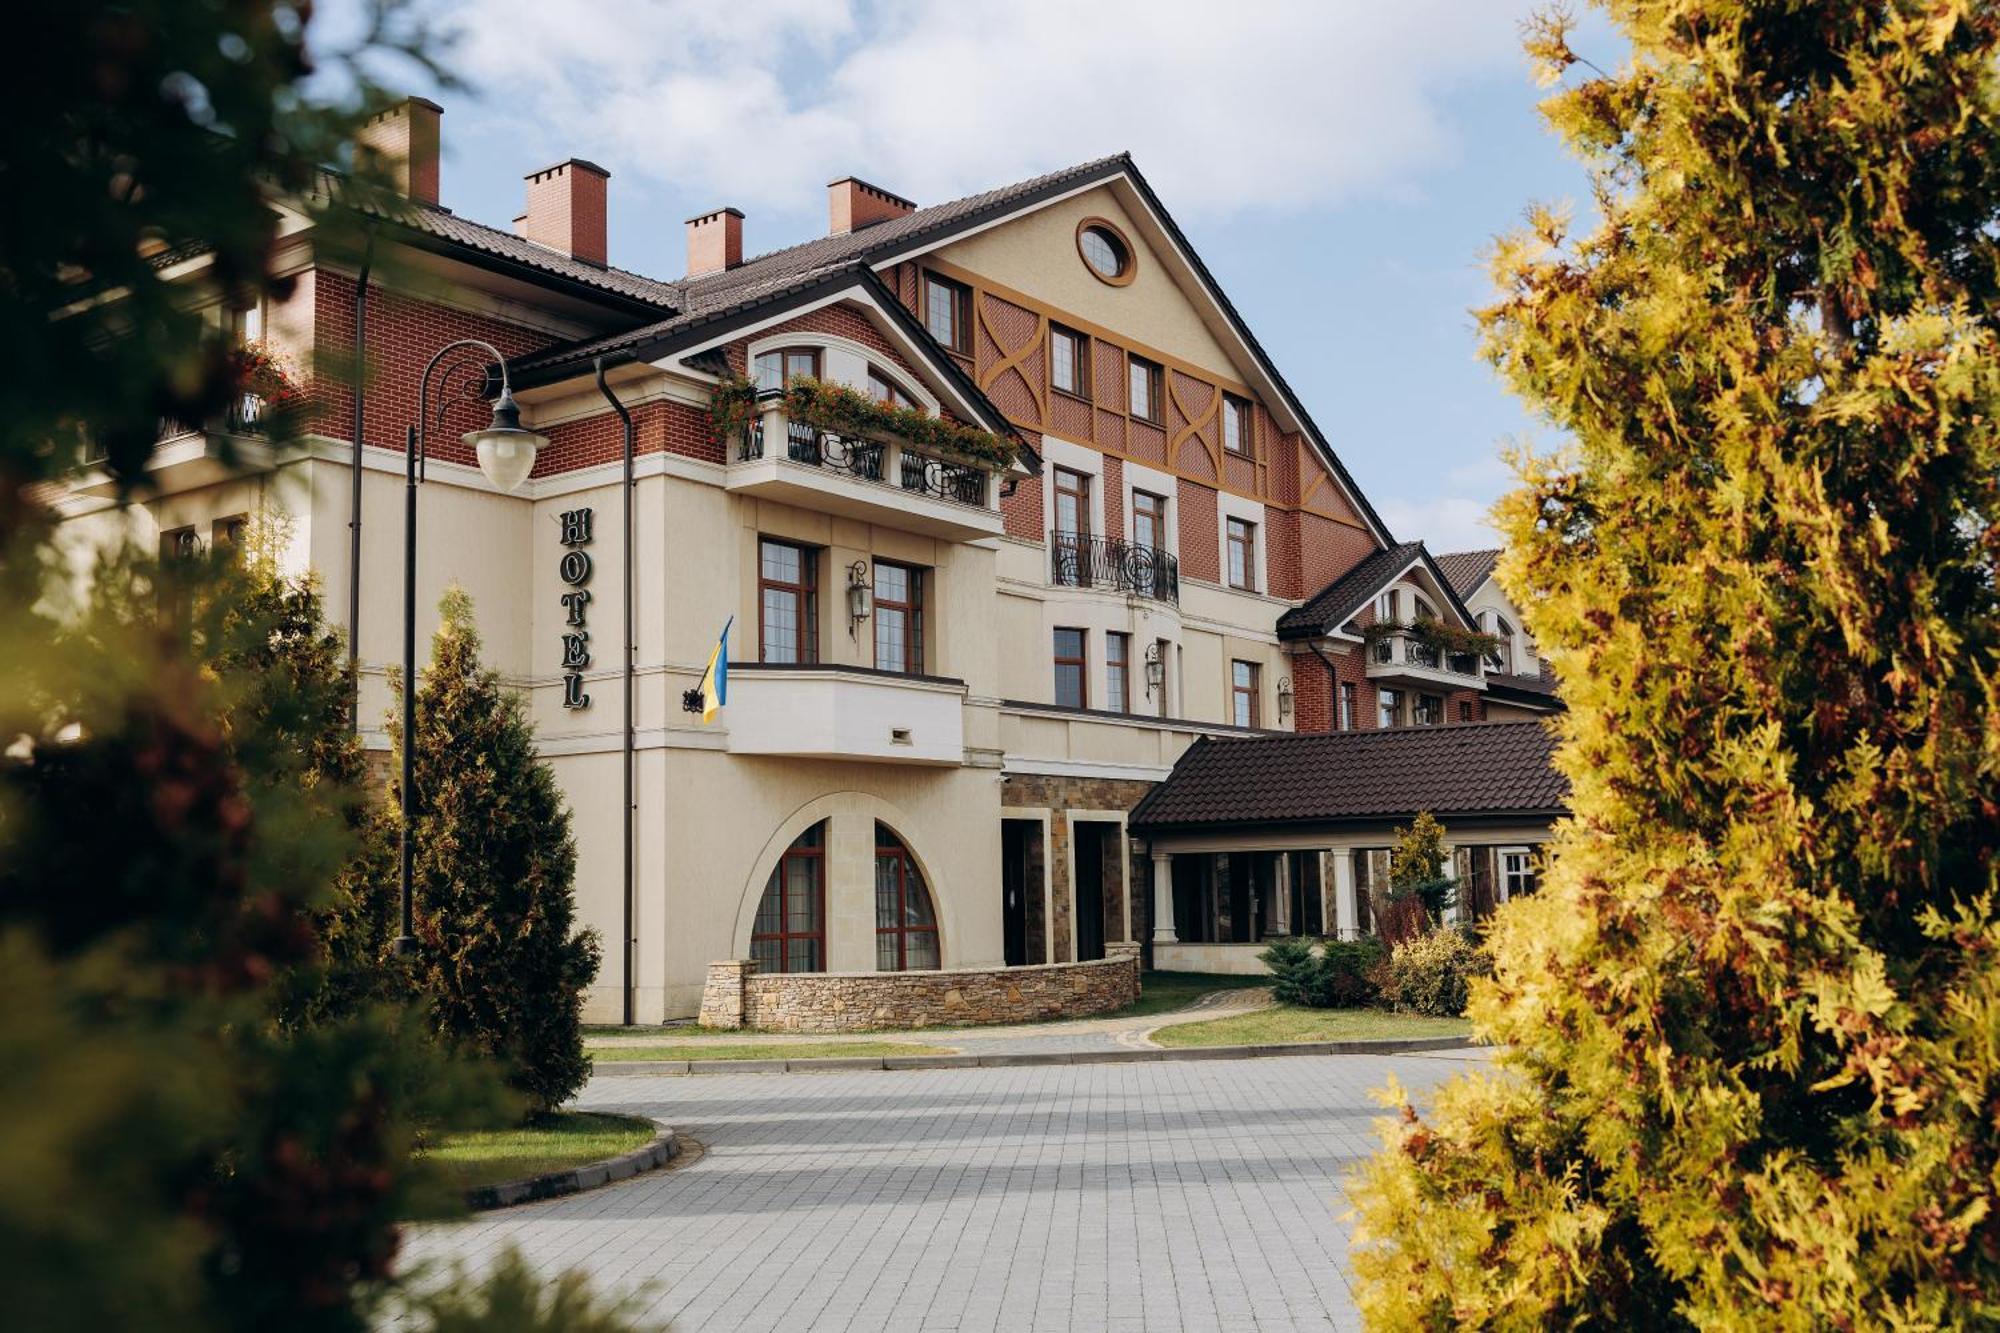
column 1439, row 583
column 1160, row 230
column 689, row 349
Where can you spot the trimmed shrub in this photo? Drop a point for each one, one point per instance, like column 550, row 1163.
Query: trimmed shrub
column 1347, row 971
column 1295, row 971
column 498, row 950
column 1432, row 974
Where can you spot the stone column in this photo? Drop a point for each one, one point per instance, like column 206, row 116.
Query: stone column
column 722, row 993
column 1163, row 900
column 1456, row 912
column 1346, row 913
column 1281, row 896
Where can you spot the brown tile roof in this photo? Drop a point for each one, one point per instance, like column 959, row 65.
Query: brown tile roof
column 1339, row 601
column 1469, row 769
column 441, row 224
column 1468, row 569
column 779, row 272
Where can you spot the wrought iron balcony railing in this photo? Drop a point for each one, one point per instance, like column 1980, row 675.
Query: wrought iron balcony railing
column 1079, row 560
column 870, row 460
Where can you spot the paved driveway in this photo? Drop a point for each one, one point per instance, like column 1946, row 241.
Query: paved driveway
column 1184, row 1195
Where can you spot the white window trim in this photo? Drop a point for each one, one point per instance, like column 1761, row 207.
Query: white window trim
column 1077, row 458
column 1250, row 511
column 1139, row 477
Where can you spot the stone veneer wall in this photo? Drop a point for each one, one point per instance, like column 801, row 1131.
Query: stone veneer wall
column 735, row 996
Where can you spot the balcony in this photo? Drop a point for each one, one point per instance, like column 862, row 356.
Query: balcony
column 1079, row 560
column 187, row 455
column 842, row 712
column 875, row 480
column 1401, row 659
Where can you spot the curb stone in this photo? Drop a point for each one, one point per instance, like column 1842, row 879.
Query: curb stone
column 971, row 1060
column 574, row 1180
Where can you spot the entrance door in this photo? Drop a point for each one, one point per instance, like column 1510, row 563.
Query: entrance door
column 1014, row 888
column 1089, row 889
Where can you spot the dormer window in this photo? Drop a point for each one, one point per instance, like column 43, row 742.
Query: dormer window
column 1501, row 659
column 885, row 390
column 773, row 370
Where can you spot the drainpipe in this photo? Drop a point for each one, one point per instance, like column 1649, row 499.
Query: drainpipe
column 1332, row 686
column 354, row 511
column 631, row 652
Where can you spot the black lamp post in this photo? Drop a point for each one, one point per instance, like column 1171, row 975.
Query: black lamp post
column 506, row 452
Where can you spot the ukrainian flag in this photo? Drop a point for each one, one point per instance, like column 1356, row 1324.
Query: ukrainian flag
column 715, row 680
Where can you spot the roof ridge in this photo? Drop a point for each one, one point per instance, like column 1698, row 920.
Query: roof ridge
column 1074, row 168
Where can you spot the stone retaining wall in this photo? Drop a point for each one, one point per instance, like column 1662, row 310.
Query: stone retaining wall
column 735, row 996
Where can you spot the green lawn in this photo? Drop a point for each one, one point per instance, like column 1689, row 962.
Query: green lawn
column 771, row 1050
column 549, row 1143
column 1284, row 1023
column 1163, row 992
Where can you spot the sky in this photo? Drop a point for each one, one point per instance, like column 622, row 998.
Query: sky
column 1340, row 165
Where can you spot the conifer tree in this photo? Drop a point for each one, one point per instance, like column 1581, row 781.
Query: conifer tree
column 1753, row 1078
column 498, row 955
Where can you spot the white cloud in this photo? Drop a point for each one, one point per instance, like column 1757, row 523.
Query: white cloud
column 1256, row 106
column 1442, row 522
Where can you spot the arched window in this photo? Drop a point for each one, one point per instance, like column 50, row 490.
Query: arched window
column 772, row 370
column 885, row 390
column 1501, row 659
column 906, row 935
column 789, row 934
column 1423, row 609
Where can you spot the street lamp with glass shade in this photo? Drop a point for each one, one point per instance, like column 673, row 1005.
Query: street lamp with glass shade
column 506, row 451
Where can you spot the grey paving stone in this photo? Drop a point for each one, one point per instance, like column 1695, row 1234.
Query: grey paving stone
column 1148, row 1195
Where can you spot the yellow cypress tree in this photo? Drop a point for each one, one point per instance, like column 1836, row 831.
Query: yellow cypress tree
column 1753, row 1016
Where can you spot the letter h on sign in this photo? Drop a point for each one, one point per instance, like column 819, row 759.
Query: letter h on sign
column 575, row 571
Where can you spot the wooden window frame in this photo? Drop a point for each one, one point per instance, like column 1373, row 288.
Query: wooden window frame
column 1082, row 392
column 913, row 612
column 1156, row 511
column 1081, row 662
column 1382, row 697
column 1082, row 494
column 784, row 355
column 961, row 312
column 906, row 866
column 1240, row 693
column 1124, row 275
column 783, row 937
column 1420, row 706
column 1118, row 671
column 1231, row 528
column 1348, row 704
column 807, row 592
column 896, row 396
column 1238, row 410
column 1155, row 380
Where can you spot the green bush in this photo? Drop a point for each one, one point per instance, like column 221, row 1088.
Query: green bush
column 1295, row 975
column 1347, row 972
column 1332, row 974
column 498, row 952
column 1432, row 973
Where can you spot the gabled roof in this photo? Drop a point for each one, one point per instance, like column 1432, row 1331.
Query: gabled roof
column 772, row 276
column 779, row 272
column 1480, row 769
column 1339, row 601
column 1466, row 570
column 448, row 231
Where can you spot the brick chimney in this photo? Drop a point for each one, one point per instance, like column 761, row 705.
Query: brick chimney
column 852, row 204
column 566, row 205
column 402, row 141
column 715, row 242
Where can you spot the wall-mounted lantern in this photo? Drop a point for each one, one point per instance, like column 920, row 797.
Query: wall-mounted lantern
column 1284, row 698
column 1156, row 670
column 858, row 595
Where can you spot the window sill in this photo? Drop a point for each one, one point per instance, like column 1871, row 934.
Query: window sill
column 1070, row 394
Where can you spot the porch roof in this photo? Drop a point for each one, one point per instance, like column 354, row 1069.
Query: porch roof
column 1484, row 769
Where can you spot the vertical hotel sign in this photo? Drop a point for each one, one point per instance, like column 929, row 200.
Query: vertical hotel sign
column 575, row 573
